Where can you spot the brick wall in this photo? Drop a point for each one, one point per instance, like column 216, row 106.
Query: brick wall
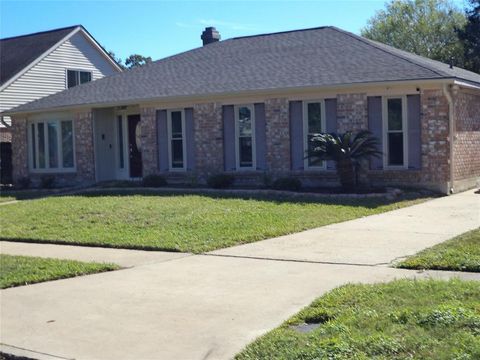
column 148, row 123
column 277, row 128
column 467, row 136
column 19, row 148
column 208, row 139
column 352, row 112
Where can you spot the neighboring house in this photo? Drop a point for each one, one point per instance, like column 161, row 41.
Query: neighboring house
column 247, row 106
column 36, row 65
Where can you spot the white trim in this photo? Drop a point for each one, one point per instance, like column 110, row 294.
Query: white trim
column 184, row 143
column 404, row 131
column 251, row 107
column 78, row 75
column 323, row 125
column 48, row 169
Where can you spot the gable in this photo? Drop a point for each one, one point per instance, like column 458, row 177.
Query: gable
column 48, row 76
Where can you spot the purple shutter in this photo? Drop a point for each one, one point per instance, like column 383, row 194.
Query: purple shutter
column 414, row 140
column 162, row 140
column 229, row 137
column 260, row 136
column 375, row 125
column 331, row 123
column 190, row 138
column 296, row 135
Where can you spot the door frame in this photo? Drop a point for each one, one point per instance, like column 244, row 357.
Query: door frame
column 123, row 174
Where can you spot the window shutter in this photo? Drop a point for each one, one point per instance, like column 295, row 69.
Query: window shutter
column 162, row 140
column 296, row 135
column 190, row 138
column 331, row 123
column 375, row 126
column 414, row 139
column 260, row 136
column 229, row 137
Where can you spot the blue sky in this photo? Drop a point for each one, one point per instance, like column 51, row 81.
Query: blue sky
column 161, row 28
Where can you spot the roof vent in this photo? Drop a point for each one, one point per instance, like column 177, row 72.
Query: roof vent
column 210, row 35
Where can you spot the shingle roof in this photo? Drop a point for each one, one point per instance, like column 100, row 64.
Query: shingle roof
column 325, row 56
column 16, row 53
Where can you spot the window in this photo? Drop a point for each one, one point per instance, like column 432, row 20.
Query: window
column 77, row 77
column 51, row 145
column 176, row 134
column 313, row 123
column 245, row 137
column 395, row 131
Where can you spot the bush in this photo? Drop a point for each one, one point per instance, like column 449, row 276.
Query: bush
column 287, row 183
column 24, row 183
column 47, row 182
column 154, row 181
column 220, row 181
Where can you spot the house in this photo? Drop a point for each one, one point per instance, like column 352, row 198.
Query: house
column 248, row 105
column 36, row 65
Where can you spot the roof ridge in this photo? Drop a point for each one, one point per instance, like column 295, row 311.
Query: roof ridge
column 42, row 32
column 280, row 32
column 372, row 44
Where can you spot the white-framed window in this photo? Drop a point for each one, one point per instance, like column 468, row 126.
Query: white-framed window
column 395, row 132
column 245, row 150
column 177, row 149
column 51, row 146
column 77, row 77
column 314, row 122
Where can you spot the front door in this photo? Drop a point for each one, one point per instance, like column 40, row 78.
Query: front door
column 134, row 146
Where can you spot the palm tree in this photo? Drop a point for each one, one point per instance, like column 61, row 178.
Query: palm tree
column 347, row 150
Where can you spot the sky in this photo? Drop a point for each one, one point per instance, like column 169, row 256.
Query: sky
column 162, row 28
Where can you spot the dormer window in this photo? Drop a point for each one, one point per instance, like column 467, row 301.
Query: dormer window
column 77, row 77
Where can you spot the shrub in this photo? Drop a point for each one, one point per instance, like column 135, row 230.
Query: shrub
column 154, row 181
column 47, row 182
column 220, row 181
column 287, row 183
column 24, row 182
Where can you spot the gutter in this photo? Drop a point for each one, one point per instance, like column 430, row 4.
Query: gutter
column 451, row 127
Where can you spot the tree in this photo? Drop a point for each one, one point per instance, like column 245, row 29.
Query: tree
column 136, row 60
column 423, row 27
column 117, row 59
column 470, row 37
column 347, row 150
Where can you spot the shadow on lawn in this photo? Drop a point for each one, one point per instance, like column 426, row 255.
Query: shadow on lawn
column 278, row 198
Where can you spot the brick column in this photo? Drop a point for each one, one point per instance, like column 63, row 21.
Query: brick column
column 352, row 112
column 19, row 148
column 277, row 135
column 435, row 137
column 84, row 147
column 149, row 141
column 208, row 126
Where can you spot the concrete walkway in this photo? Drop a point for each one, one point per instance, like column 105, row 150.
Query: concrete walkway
column 210, row 306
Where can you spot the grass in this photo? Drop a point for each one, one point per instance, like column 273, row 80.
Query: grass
column 461, row 253
column 24, row 270
column 189, row 223
column 404, row 319
column 12, row 195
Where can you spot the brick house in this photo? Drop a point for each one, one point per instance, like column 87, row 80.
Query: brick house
column 247, row 106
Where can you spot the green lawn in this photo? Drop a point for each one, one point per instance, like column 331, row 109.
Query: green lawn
column 12, row 195
column 23, row 270
column 404, row 319
column 461, row 253
column 192, row 223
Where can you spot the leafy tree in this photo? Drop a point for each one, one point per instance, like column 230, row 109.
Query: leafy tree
column 117, row 59
column 347, row 150
column 470, row 37
column 136, row 60
column 423, row 27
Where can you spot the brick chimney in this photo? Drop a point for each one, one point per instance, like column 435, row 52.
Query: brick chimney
column 210, row 35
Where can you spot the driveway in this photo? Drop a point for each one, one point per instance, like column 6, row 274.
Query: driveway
column 210, row 306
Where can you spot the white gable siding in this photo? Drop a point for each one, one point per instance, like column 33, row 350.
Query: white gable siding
column 49, row 75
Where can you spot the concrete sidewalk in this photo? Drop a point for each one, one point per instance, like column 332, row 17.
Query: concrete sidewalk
column 210, row 306
column 373, row 240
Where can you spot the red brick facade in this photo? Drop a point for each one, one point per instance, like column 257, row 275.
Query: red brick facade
column 352, row 114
